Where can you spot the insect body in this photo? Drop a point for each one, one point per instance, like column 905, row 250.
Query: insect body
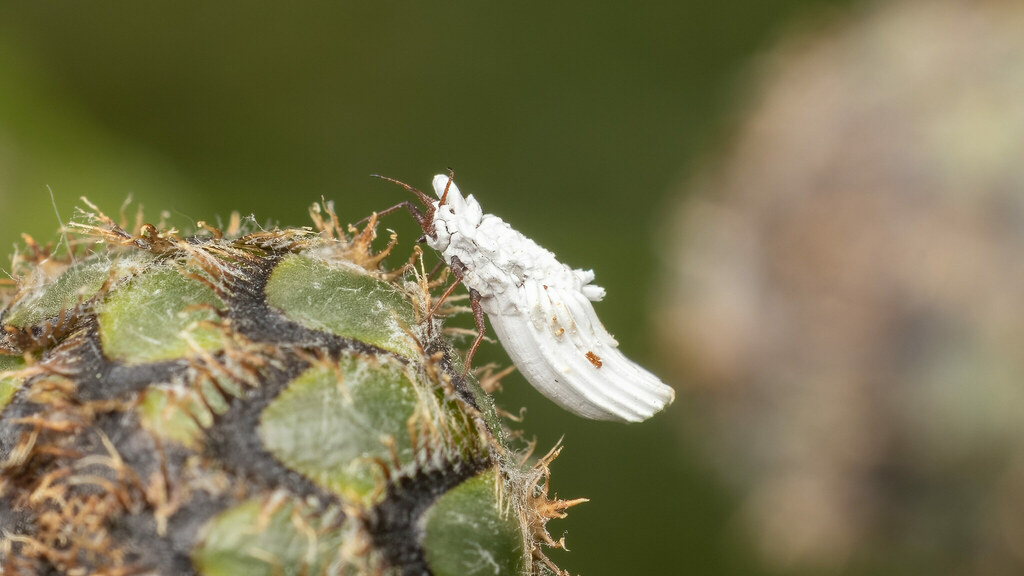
column 541, row 311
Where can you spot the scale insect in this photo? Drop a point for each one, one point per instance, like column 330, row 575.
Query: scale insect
column 540, row 309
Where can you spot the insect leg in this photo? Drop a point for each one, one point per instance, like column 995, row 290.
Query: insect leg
column 459, row 270
column 434, row 271
column 481, row 328
column 447, row 293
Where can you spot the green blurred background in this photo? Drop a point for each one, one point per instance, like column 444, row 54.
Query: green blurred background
column 572, row 120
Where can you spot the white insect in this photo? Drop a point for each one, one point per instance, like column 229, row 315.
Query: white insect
column 540, row 308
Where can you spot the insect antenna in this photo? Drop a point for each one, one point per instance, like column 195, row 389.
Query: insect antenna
column 451, row 178
column 424, row 219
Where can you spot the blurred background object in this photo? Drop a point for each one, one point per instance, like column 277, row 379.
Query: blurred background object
column 845, row 285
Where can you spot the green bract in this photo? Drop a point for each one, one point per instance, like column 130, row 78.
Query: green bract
column 75, row 286
column 159, row 316
column 9, row 383
column 343, row 301
column 329, row 422
column 266, row 403
column 290, row 540
column 469, row 518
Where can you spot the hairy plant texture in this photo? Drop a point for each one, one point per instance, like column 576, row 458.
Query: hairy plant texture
column 249, row 402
